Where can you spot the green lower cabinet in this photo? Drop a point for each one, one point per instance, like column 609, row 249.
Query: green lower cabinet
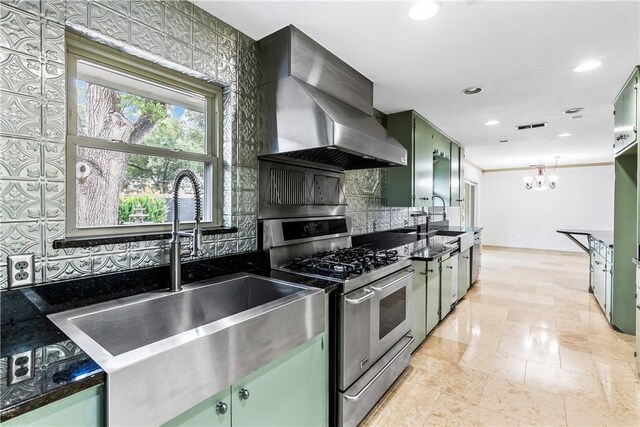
column 78, row 410
column 419, row 306
column 293, row 391
column 213, row 412
column 464, row 273
column 433, row 295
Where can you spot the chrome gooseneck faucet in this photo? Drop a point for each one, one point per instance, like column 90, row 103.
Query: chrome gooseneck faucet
column 195, row 235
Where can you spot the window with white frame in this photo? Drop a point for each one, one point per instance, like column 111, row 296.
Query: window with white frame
column 132, row 126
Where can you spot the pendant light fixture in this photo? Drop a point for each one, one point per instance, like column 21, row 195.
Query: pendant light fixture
column 541, row 181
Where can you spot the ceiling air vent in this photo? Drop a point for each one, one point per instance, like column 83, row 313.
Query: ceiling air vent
column 532, row 126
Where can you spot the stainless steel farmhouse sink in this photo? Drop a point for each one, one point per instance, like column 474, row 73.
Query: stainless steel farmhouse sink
column 164, row 352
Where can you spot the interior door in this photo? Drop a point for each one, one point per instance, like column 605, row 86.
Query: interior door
column 423, row 162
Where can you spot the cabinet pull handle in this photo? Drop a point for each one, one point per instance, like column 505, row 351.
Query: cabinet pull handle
column 221, row 408
column 424, row 273
column 243, row 394
column 621, row 136
column 430, row 270
column 449, row 267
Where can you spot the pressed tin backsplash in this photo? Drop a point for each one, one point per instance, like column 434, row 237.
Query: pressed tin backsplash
column 32, row 127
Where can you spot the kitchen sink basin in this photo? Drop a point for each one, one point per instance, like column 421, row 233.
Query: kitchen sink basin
column 164, row 352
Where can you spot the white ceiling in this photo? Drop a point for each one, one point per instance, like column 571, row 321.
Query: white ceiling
column 520, row 52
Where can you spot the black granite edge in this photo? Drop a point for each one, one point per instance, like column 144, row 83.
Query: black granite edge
column 83, row 242
column 436, row 255
column 603, row 236
column 52, row 396
column 25, row 325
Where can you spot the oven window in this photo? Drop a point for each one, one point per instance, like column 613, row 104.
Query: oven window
column 393, row 311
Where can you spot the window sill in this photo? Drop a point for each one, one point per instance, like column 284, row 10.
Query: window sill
column 83, row 242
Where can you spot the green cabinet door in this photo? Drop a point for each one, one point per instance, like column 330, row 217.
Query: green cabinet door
column 446, row 277
column 625, row 110
column 419, row 306
column 292, row 391
column 464, row 273
column 433, row 295
column 423, row 162
column 456, row 182
column 213, row 412
column 82, row 409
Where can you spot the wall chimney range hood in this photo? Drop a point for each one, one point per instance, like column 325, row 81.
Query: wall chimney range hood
column 314, row 107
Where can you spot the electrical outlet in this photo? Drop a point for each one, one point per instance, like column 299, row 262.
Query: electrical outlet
column 21, row 367
column 21, row 270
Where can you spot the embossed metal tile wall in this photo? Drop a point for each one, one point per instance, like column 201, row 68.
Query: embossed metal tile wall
column 32, row 128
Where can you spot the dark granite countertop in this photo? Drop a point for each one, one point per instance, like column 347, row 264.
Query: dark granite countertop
column 412, row 242
column 605, row 237
column 60, row 367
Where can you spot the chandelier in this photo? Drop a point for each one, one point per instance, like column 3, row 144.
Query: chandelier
column 541, row 181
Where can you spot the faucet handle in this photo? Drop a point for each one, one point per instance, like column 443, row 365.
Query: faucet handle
column 196, row 242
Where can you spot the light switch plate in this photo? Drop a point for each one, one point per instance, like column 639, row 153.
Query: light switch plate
column 21, row 367
column 21, row 270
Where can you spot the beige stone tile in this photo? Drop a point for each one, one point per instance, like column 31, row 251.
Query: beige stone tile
column 443, row 349
column 584, row 411
column 530, row 318
column 430, row 372
column 484, row 340
column 527, row 348
column 494, row 363
column 505, row 327
column 451, row 411
column 564, row 339
column 562, row 381
column 527, row 404
column 466, row 383
column 409, row 404
column 614, row 350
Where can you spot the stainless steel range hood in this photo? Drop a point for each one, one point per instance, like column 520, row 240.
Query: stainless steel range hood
column 314, row 107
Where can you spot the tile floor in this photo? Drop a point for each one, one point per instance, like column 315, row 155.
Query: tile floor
column 528, row 345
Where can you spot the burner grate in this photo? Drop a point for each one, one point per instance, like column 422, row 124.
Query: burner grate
column 344, row 263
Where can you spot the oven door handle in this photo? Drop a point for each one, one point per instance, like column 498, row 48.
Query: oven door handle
column 378, row 375
column 388, row 285
column 355, row 301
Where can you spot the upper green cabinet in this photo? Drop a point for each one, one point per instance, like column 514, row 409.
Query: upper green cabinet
column 626, row 114
column 412, row 185
column 457, row 174
column 434, row 164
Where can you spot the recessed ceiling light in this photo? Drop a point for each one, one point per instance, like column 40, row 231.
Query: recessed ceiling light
column 492, row 123
column 423, row 10
column 573, row 110
column 472, row 90
column 564, row 135
column 576, row 117
column 503, row 140
column 587, row 66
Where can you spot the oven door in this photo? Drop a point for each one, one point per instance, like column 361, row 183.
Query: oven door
column 374, row 318
column 390, row 311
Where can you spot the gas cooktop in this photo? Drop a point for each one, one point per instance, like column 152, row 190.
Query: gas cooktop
column 343, row 264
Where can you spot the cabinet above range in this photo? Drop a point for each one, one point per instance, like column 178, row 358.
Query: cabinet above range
column 434, row 164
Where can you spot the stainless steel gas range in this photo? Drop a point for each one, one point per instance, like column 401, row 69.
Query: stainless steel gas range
column 372, row 308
